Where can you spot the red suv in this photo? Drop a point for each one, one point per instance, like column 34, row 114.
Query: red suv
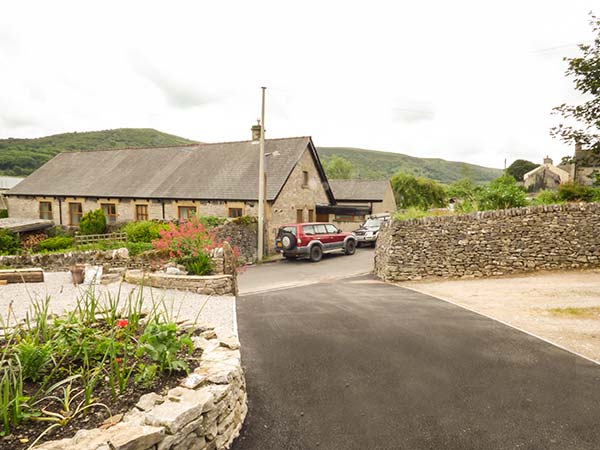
column 312, row 240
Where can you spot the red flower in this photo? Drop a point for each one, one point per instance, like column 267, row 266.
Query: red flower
column 118, row 360
column 122, row 323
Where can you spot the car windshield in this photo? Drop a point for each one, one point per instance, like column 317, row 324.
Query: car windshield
column 371, row 223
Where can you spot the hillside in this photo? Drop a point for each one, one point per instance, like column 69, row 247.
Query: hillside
column 19, row 157
column 374, row 165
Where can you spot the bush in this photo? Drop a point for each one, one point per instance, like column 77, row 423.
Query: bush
column 547, row 198
column 502, row 193
column 144, row 231
column 574, row 192
column 3, row 213
column 419, row 192
column 93, row 222
column 211, row 221
column 9, row 242
column 55, row 243
column 135, row 248
column 55, row 231
column 197, row 265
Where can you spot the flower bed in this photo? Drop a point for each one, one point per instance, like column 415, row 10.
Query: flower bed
column 83, row 369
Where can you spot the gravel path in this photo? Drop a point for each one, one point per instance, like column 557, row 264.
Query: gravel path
column 217, row 311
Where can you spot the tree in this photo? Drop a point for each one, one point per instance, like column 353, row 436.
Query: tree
column 339, row 168
column 423, row 193
column 519, row 168
column 502, row 193
column 585, row 70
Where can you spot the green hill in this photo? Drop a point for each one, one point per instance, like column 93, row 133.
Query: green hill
column 377, row 165
column 19, row 157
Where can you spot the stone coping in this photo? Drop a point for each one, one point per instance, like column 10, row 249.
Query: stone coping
column 205, row 412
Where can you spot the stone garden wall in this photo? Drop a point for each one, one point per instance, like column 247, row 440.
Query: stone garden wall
column 205, row 412
column 201, row 284
column 240, row 235
column 490, row 243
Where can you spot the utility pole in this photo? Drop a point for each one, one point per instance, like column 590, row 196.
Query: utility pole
column 261, row 181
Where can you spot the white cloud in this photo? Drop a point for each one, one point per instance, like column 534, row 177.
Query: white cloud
column 465, row 80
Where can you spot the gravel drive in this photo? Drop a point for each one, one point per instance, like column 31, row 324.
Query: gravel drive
column 217, row 311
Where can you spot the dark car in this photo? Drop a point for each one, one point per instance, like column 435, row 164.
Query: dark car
column 311, row 240
column 369, row 230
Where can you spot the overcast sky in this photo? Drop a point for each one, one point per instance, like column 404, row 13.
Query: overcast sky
column 471, row 81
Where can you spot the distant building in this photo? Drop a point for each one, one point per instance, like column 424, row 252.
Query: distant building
column 362, row 198
column 546, row 176
column 583, row 165
column 7, row 183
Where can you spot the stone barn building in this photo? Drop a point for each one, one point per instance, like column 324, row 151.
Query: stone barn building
column 177, row 182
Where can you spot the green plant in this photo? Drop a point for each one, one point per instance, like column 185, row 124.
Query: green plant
column 143, row 231
column 245, row 220
column 574, row 192
column 197, row 265
column 419, row 192
column 13, row 403
column 502, row 193
column 9, row 242
column 35, row 358
column 161, row 344
column 135, row 248
column 547, row 198
column 93, row 222
column 211, row 221
column 146, row 374
column 55, row 243
column 3, row 213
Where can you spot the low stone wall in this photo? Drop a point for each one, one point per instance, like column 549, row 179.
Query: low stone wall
column 205, row 412
column 223, row 284
column 63, row 261
column 490, row 243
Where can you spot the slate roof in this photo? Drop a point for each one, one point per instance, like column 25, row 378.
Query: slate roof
column 358, row 190
column 221, row 171
column 9, row 182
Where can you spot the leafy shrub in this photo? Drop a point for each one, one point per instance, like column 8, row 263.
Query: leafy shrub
column 211, row 221
column 144, row 231
column 245, row 220
column 93, row 222
column 575, row 192
column 34, row 358
column 189, row 238
column 197, row 265
column 547, row 198
column 161, row 344
column 135, row 248
column 502, row 193
column 56, row 230
column 9, row 242
column 55, row 243
column 3, row 213
column 419, row 192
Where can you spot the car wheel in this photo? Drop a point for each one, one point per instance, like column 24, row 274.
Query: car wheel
column 350, row 247
column 288, row 241
column 316, row 253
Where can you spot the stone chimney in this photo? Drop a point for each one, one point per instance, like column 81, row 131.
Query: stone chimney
column 548, row 160
column 256, row 131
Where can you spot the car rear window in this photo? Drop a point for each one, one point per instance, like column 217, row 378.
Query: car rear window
column 288, row 229
column 308, row 229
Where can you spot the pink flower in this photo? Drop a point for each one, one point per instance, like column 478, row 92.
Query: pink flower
column 122, row 323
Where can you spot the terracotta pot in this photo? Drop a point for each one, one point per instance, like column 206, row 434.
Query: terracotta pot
column 77, row 273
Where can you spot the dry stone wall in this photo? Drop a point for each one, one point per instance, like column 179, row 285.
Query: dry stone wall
column 490, row 243
column 205, row 412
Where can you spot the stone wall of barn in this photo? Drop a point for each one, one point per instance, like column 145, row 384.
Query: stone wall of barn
column 490, row 243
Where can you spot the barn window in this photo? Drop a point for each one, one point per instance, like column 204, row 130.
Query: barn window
column 46, row 210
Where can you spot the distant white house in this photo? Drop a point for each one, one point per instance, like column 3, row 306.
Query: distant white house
column 7, row 183
column 546, row 176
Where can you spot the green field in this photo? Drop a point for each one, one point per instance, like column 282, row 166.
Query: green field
column 20, row 157
column 377, row 165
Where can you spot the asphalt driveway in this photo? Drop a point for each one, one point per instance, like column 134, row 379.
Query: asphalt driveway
column 358, row 364
column 284, row 273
